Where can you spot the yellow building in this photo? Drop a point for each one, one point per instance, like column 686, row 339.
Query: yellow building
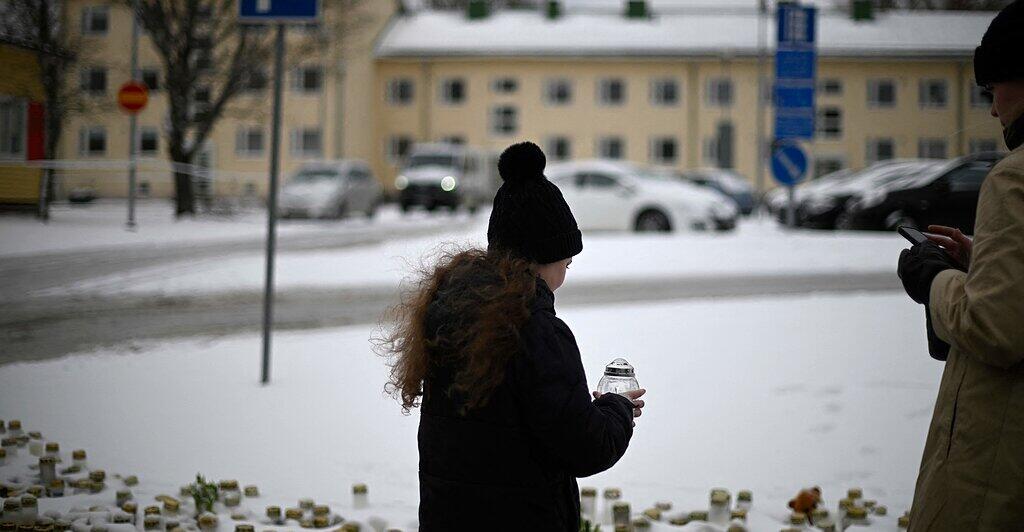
column 326, row 107
column 677, row 89
column 673, row 88
column 21, row 125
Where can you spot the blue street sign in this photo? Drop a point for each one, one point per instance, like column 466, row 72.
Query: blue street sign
column 789, row 163
column 278, row 11
column 795, row 72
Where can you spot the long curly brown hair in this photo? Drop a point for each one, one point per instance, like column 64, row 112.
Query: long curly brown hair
column 486, row 298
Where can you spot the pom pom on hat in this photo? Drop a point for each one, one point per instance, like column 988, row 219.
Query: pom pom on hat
column 522, row 162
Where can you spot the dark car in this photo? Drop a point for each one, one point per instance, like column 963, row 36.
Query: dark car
column 734, row 186
column 948, row 196
column 823, row 207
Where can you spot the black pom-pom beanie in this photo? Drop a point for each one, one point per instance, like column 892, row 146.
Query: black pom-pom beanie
column 1001, row 54
column 530, row 217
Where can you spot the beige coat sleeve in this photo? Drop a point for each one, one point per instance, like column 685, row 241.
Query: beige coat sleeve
column 982, row 312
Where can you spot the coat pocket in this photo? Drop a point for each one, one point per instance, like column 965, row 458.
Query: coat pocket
column 954, row 410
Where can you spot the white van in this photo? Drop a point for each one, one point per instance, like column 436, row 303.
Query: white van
column 447, row 175
column 330, row 189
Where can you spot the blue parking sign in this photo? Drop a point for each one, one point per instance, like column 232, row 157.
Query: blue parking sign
column 789, row 163
column 278, row 11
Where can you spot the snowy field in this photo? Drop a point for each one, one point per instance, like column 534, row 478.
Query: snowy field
column 771, row 395
column 756, row 247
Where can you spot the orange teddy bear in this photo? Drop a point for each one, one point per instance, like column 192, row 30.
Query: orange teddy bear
column 806, row 501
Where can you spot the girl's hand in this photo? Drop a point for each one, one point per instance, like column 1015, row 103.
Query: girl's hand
column 957, row 244
column 634, row 396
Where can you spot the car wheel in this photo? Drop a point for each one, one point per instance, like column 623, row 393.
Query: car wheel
column 371, row 210
column 844, row 221
column 652, row 221
column 405, row 207
column 431, row 207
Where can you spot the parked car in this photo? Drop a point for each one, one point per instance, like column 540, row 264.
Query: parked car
column 447, row 175
column 777, row 199
column 620, row 196
column 727, row 182
column 822, row 207
column 947, row 195
column 330, row 189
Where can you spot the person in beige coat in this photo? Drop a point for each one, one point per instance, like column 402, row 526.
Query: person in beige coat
column 972, row 471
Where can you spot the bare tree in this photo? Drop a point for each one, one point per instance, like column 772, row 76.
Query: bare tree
column 209, row 59
column 39, row 24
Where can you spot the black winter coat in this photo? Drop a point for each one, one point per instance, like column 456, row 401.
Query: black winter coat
column 514, row 462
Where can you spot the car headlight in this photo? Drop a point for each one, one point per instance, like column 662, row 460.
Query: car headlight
column 820, row 204
column 448, row 183
column 871, row 199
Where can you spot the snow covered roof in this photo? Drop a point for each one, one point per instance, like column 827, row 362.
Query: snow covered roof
column 527, row 33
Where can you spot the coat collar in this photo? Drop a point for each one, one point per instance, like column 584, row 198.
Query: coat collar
column 1013, row 134
column 545, row 298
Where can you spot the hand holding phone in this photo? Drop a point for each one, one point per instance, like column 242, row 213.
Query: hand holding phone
column 913, row 235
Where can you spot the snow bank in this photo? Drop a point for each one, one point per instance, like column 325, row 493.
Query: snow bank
column 757, row 247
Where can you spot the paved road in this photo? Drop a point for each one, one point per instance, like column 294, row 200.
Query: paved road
column 44, row 327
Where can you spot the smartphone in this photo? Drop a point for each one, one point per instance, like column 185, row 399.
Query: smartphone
column 913, row 235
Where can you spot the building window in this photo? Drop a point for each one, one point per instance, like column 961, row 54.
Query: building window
column 933, row 93
column 983, row 145
column 143, row 189
column 611, row 148
column 95, row 20
column 307, row 142
column 830, row 123
column 249, row 141
column 825, row 165
column 400, row 91
column 559, row 148
column 830, row 87
column 881, row 93
column 558, row 92
column 980, row 97
column 504, row 120
column 92, row 141
column 505, row 85
column 664, row 92
column 308, row 79
column 457, row 140
column 150, row 78
column 256, row 81
column 611, row 91
column 880, row 149
column 12, row 128
column 664, row 150
column 398, row 148
column 718, row 150
column 94, row 81
column 201, row 95
column 204, row 53
column 931, row 148
column 719, row 92
column 149, row 141
column 453, row 91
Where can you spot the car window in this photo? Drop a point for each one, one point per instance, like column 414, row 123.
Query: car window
column 359, row 174
column 599, row 181
column 311, row 176
column 968, row 177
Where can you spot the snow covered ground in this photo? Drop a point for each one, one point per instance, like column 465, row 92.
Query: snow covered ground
column 771, row 395
column 102, row 225
column 757, row 247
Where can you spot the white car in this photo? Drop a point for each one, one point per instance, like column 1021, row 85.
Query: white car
column 330, row 189
column 619, row 196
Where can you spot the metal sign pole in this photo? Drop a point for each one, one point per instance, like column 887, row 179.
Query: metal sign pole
column 133, row 149
column 275, row 149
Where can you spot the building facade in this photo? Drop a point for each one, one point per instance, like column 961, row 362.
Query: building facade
column 21, row 126
column 669, row 89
